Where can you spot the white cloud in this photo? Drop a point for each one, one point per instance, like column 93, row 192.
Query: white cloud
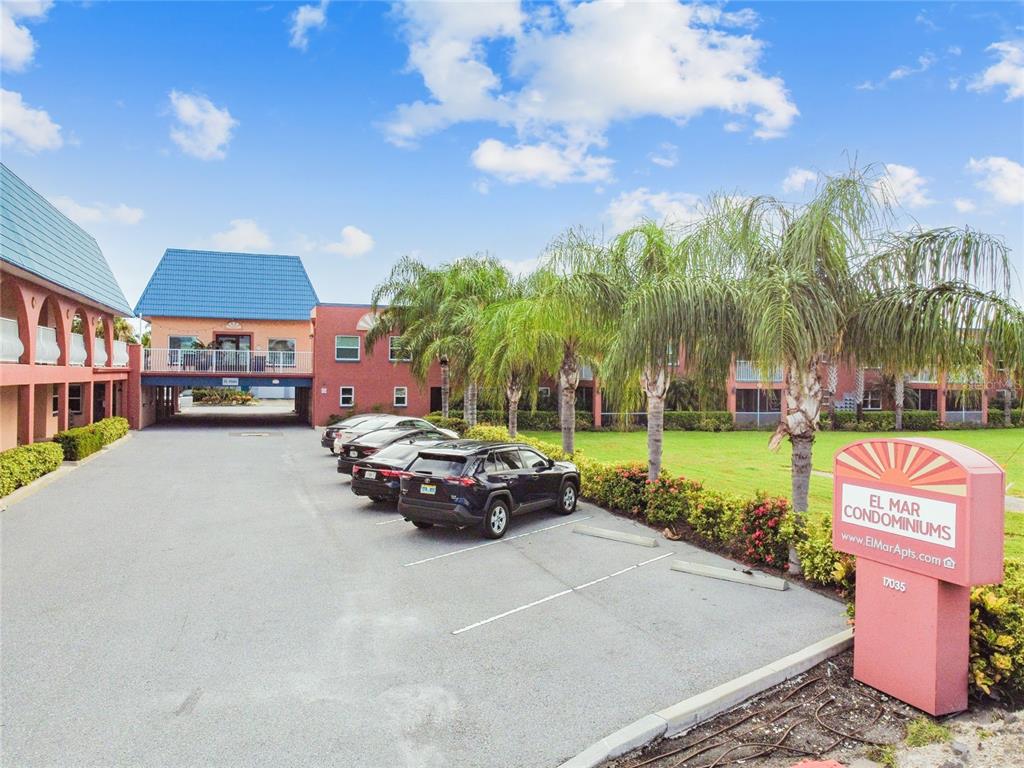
column 954, row 50
column 924, row 63
column 202, row 129
column 482, row 186
column 797, row 179
column 244, row 235
column 963, row 205
column 542, row 163
column 733, row 126
column 905, row 186
column 17, row 46
column 576, row 70
column 1000, row 177
column 522, row 267
column 925, row 21
column 673, row 209
column 26, row 127
column 1008, row 71
column 98, row 213
column 353, row 242
column 667, row 155
column 305, row 18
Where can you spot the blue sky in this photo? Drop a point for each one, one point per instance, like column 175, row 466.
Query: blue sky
column 353, row 133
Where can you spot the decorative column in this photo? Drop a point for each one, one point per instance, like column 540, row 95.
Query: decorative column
column 730, row 390
column 597, row 402
column 62, row 405
column 26, row 413
column 87, row 395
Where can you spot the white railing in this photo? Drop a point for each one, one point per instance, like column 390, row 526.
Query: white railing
column 99, row 353
column 11, row 348
column 78, row 354
column 47, row 349
column 967, row 377
column 227, row 361
column 925, row 376
column 747, row 372
column 120, row 354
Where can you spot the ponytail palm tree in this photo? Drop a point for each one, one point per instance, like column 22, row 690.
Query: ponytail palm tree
column 514, row 349
column 820, row 282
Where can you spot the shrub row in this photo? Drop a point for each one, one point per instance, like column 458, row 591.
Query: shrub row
column 221, row 396
column 79, row 442
column 759, row 530
column 20, row 466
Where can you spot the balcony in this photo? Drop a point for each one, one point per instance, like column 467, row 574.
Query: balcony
column 973, row 377
column 227, row 361
column 99, row 353
column 77, row 356
column 47, row 349
column 11, row 348
column 120, row 354
column 924, row 376
column 746, row 372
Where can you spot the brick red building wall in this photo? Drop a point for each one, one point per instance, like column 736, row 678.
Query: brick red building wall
column 374, row 376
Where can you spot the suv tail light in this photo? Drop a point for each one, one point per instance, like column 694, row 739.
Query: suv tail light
column 467, row 481
column 392, row 473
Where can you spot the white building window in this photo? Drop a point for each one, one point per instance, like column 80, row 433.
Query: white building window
column 75, row 399
column 281, row 352
column 347, row 397
column 346, row 348
column 396, row 354
column 401, row 397
column 872, row 400
column 54, row 402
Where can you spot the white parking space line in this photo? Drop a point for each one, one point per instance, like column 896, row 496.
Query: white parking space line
column 496, row 541
column 560, row 594
column 388, row 522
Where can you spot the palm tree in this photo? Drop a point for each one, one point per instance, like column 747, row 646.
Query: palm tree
column 514, row 350
column 823, row 282
column 435, row 310
column 560, row 296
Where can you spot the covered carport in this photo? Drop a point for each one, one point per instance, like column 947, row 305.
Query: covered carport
column 162, row 393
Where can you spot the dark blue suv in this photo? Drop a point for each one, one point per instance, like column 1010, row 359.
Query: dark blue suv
column 475, row 483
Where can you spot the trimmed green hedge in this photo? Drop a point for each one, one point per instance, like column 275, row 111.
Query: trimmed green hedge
column 699, row 421
column 540, row 421
column 20, row 466
column 80, row 442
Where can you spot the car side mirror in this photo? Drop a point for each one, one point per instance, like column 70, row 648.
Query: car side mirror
column 551, row 463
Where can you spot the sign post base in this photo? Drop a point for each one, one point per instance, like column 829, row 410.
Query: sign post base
column 912, row 638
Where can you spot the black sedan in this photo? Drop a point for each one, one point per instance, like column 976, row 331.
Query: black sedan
column 483, row 484
column 378, row 476
column 370, row 443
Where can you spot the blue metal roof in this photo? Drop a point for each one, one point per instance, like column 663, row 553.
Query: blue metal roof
column 38, row 238
column 243, row 286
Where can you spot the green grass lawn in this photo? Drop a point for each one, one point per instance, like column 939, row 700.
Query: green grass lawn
column 740, row 462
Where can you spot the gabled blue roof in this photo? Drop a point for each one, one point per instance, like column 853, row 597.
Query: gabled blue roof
column 243, row 286
column 38, row 238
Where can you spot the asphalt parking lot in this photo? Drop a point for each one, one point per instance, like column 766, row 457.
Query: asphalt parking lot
column 213, row 594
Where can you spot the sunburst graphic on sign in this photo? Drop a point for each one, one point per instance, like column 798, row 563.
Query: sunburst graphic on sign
column 902, row 464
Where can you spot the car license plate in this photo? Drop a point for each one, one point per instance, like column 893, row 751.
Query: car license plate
column 369, row 474
column 428, row 490
column 353, row 453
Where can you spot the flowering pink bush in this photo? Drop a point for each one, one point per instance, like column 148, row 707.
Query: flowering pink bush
column 763, row 540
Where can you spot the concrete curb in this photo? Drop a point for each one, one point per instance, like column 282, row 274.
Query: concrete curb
column 690, row 712
column 51, row 477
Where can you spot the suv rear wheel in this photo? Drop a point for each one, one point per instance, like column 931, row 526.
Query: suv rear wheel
column 567, row 497
column 496, row 519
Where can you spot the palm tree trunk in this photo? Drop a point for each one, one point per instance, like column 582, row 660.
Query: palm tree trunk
column 514, row 392
column 569, row 378
column 1008, row 405
column 833, row 385
column 469, row 404
column 859, row 379
column 898, row 395
column 446, row 386
column 799, row 423
column 655, row 386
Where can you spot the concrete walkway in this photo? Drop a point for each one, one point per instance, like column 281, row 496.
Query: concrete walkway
column 206, row 596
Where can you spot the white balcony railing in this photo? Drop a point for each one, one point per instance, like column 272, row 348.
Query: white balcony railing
column 747, row 372
column 975, row 376
column 78, row 355
column 120, row 354
column 11, row 348
column 924, row 376
column 227, row 361
column 99, row 353
column 47, row 349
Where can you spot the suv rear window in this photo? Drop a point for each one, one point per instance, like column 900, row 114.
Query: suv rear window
column 438, row 465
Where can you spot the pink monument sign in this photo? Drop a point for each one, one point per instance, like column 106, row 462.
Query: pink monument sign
column 925, row 519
